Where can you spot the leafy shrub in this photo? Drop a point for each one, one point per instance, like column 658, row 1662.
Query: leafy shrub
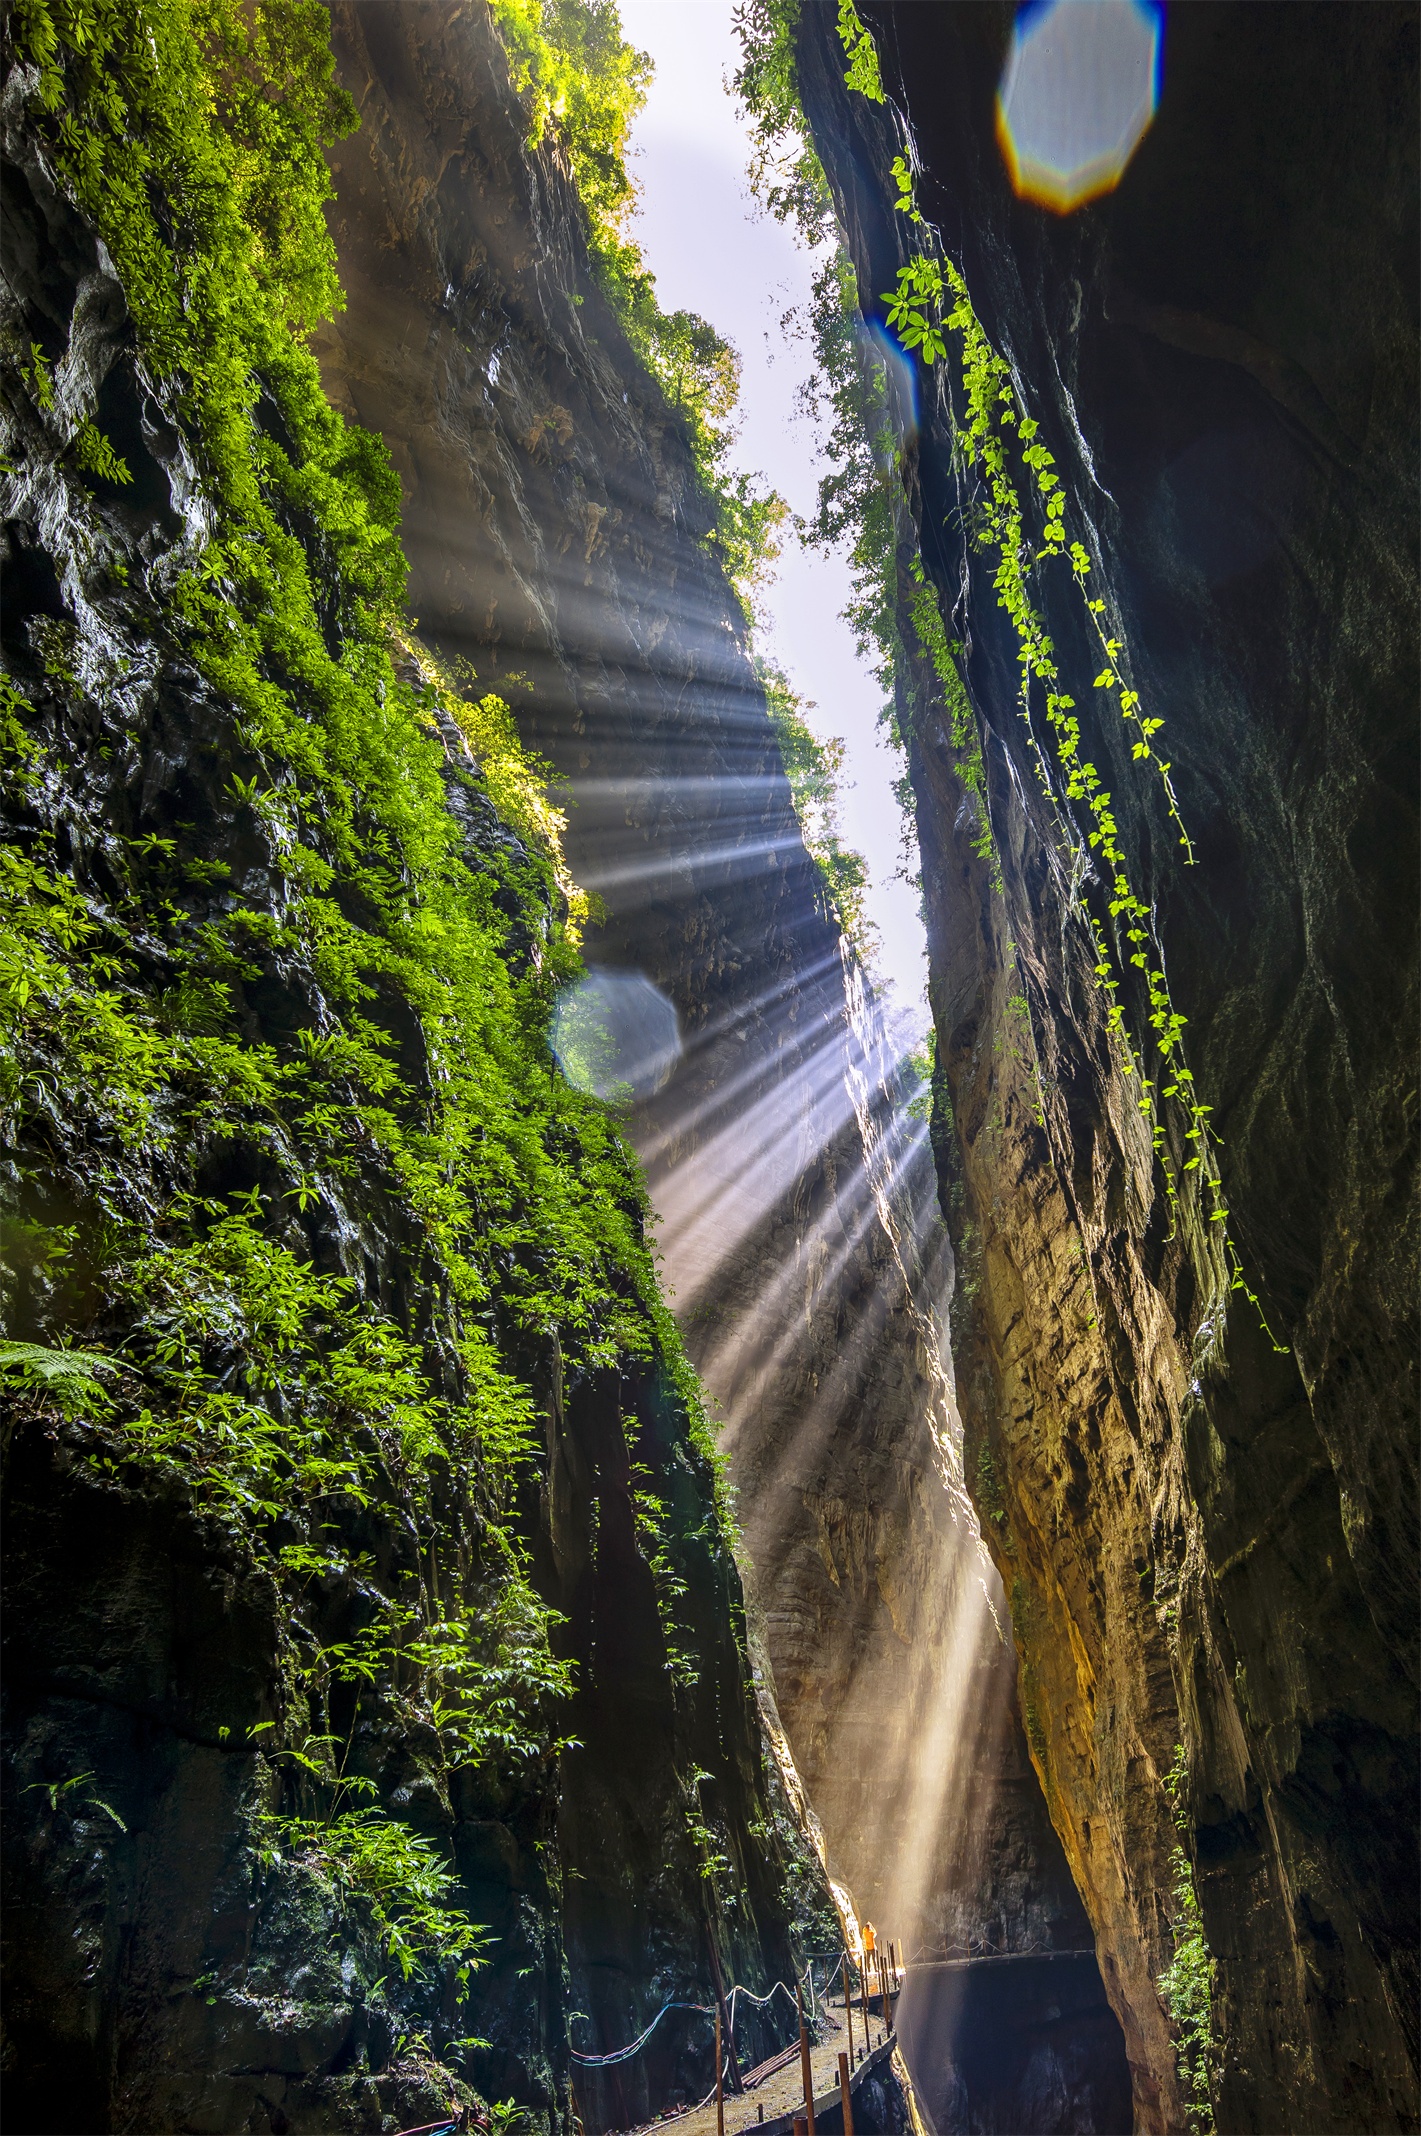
column 396, row 1875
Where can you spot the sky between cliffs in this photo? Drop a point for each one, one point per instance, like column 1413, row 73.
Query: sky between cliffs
column 712, row 253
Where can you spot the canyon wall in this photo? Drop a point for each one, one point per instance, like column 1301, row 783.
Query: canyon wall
column 1207, row 1528
column 556, row 530
column 231, row 1176
column 334, row 1360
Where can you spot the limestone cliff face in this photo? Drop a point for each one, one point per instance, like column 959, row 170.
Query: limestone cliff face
column 1207, row 1542
column 174, row 1959
column 556, row 532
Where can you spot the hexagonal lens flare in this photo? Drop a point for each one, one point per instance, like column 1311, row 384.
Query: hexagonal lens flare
column 1077, row 95
column 616, row 1035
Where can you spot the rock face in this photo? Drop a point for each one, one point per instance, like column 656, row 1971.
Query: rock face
column 1208, row 1541
column 556, row 529
column 179, row 1953
column 1023, row 2046
column 174, row 1959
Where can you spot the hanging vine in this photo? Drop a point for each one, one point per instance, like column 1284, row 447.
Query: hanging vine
column 929, row 302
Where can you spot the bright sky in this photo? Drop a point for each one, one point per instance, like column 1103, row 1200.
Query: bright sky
column 711, row 253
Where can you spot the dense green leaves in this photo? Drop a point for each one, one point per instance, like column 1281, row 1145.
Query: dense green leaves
column 372, row 1861
column 76, row 1381
column 930, row 300
column 408, row 1107
column 575, row 71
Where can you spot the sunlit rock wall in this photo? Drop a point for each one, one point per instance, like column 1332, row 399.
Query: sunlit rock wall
column 555, row 528
column 1205, row 1542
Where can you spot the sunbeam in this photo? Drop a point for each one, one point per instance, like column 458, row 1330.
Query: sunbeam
column 794, row 1193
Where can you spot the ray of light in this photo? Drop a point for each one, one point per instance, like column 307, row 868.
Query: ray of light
column 690, row 861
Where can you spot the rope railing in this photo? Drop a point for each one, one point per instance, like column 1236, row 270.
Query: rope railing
column 626, row 2054
column 759, row 2001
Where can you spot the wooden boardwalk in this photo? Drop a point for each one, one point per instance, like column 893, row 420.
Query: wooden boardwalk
column 771, row 2101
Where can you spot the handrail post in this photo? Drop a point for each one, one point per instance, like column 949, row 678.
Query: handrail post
column 719, row 2079
column 722, row 2011
column 805, row 2064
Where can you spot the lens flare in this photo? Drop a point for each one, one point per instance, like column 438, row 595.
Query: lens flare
column 616, row 1035
column 900, row 383
column 1077, row 96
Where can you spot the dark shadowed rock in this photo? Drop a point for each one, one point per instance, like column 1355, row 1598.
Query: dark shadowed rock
column 1207, row 1541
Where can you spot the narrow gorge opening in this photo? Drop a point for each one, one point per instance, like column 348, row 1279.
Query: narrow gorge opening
column 709, row 1279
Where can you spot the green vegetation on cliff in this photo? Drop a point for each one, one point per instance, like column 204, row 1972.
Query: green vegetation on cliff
column 1186, row 1985
column 930, row 312
column 1017, row 515
column 894, row 612
column 312, row 1231
column 581, row 81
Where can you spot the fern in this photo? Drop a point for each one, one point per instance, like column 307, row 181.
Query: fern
column 96, row 456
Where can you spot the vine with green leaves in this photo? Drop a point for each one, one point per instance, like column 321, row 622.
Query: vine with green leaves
column 860, row 507
column 930, row 302
column 1186, row 1985
column 862, row 73
column 651, row 1517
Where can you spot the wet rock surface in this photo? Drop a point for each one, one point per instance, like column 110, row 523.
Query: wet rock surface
column 1200, row 1540
column 1206, row 1542
column 159, row 1976
column 163, row 1970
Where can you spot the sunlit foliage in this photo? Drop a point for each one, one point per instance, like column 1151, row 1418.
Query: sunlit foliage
column 583, row 85
column 580, row 82
column 813, row 768
column 183, row 1329
column 861, row 511
column 1021, row 516
column 577, row 74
